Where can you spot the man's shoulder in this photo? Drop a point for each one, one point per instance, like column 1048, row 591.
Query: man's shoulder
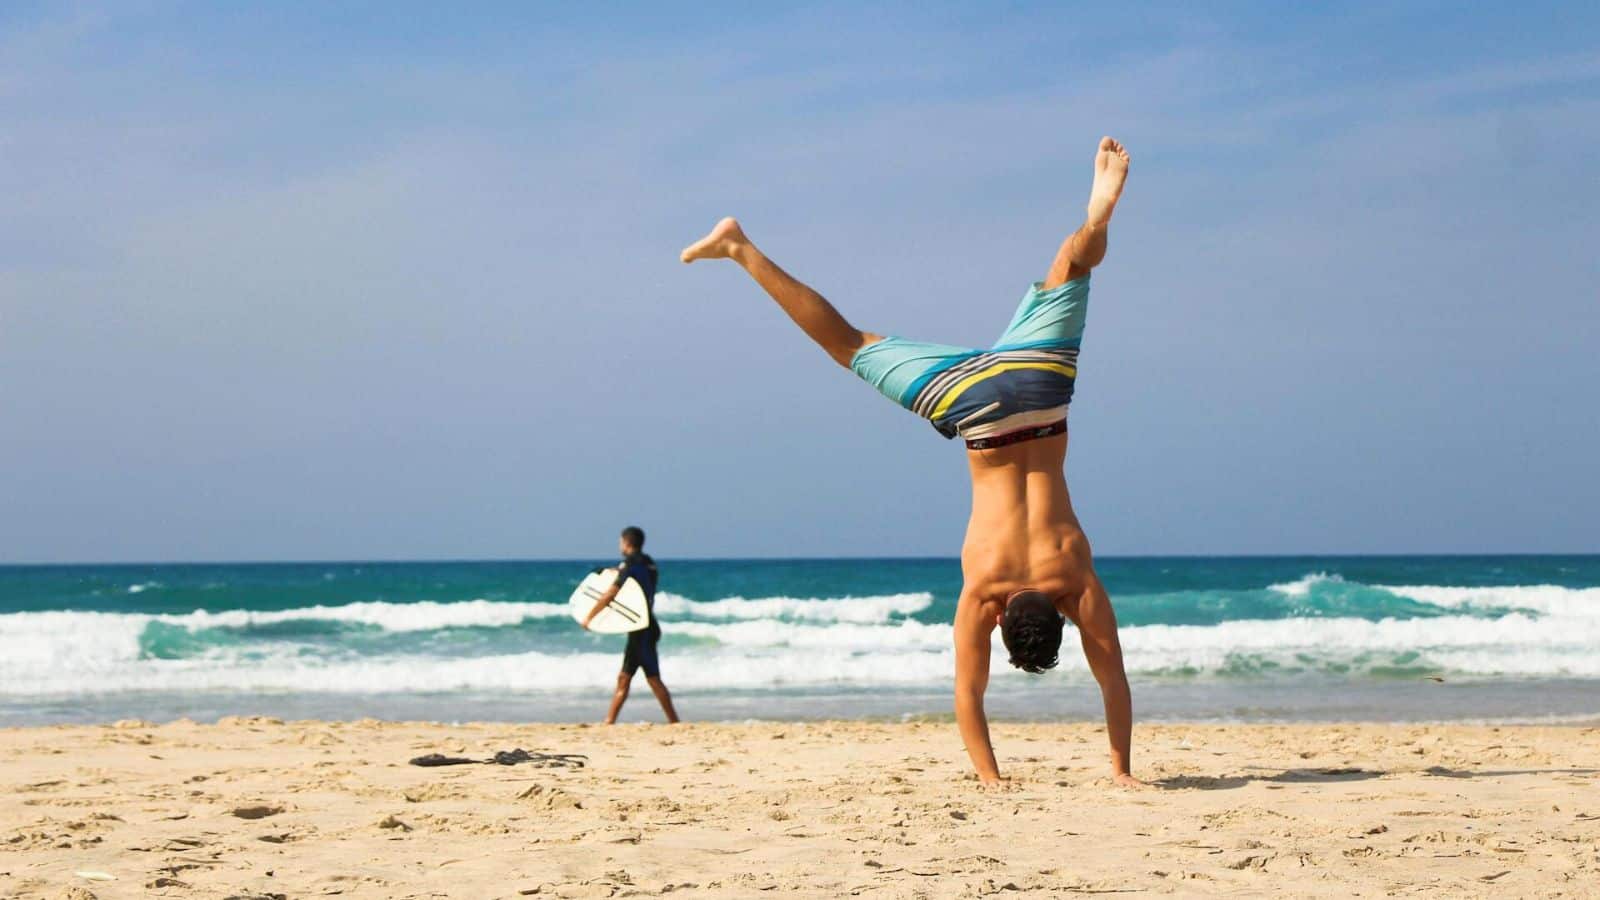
column 637, row 561
column 979, row 610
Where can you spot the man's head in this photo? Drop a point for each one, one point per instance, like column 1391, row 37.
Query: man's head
column 632, row 540
column 1031, row 629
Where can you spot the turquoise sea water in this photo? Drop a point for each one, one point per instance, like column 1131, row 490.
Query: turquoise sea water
column 1220, row 638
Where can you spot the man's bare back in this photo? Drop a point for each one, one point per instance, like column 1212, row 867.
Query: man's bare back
column 1022, row 533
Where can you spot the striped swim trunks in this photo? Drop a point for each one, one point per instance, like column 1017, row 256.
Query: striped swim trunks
column 1024, row 382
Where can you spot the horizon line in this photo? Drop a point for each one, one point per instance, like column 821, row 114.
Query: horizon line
column 826, row 558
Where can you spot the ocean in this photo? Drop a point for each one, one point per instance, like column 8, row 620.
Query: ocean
column 1388, row 638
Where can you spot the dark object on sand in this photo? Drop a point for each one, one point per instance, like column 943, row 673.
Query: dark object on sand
column 539, row 760
column 509, row 758
column 439, row 759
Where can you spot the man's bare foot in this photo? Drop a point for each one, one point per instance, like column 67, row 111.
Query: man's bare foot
column 1110, row 172
column 1128, row 781
column 719, row 244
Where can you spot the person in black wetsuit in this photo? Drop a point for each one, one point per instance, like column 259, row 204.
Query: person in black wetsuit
column 641, row 652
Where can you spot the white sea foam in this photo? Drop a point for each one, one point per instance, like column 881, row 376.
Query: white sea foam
column 905, row 635
column 1300, row 587
column 103, row 656
column 73, row 643
column 1541, row 598
column 740, row 643
column 481, row 613
column 1548, row 599
column 530, row 672
column 1515, row 644
column 860, row 610
column 398, row 617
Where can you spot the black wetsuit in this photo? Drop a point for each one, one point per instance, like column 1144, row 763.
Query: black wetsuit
column 641, row 652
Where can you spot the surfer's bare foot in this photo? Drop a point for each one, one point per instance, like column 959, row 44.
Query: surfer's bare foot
column 1110, row 172
column 721, row 243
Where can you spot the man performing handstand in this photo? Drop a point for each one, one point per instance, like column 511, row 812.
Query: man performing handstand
column 1025, row 563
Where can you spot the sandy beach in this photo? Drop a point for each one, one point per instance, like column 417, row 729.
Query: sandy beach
column 263, row 808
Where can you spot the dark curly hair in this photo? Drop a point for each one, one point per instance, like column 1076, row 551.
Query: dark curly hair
column 1031, row 629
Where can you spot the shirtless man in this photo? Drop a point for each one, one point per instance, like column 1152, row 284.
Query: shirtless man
column 1025, row 564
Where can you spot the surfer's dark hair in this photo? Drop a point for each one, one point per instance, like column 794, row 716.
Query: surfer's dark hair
column 1031, row 629
column 634, row 535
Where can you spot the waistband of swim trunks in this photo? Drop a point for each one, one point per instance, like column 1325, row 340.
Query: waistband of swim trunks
column 1017, row 437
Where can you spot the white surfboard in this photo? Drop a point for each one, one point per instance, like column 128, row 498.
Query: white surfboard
column 627, row 612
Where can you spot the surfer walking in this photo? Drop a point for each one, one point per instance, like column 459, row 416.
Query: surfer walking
column 641, row 650
column 1025, row 564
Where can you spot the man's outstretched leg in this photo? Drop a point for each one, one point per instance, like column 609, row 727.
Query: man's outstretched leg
column 809, row 309
column 1086, row 247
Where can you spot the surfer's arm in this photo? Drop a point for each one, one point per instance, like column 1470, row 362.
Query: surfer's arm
column 972, row 679
column 604, row 601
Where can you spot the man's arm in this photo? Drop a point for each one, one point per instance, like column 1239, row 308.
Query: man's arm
column 606, row 598
column 1097, row 629
column 972, row 630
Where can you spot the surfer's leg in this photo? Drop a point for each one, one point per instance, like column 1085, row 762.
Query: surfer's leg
column 663, row 696
column 809, row 309
column 651, row 663
column 632, row 657
column 624, row 679
column 1086, row 247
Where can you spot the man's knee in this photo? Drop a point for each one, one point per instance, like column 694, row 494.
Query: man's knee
column 845, row 349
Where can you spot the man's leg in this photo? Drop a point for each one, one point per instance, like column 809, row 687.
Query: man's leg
column 1086, row 247
column 663, row 697
column 652, row 675
column 809, row 309
column 624, row 679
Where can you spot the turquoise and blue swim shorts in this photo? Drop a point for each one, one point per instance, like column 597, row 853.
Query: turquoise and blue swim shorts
column 1020, row 385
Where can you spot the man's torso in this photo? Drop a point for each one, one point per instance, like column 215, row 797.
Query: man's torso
column 1022, row 533
column 641, row 568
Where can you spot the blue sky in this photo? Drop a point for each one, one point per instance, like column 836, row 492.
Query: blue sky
column 400, row 280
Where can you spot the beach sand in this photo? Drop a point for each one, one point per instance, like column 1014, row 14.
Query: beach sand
column 261, row 808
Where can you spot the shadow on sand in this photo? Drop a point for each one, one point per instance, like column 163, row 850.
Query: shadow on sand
column 1287, row 776
column 1336, row 776
column 1443, row 772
